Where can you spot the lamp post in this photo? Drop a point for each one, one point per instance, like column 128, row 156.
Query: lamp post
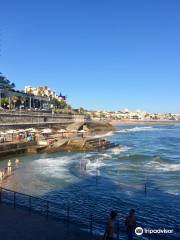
column 52, row 111
column 9, row 103
column 22, row 102
column 30, row 102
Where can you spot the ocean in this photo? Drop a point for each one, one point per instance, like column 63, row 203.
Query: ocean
column 142, row 173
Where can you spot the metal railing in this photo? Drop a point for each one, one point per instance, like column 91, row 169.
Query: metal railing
column 58, row 211
column 43, row 207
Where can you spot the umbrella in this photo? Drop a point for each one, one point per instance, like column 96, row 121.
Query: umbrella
column 62, row 131
column 47, row 130
column 11, row 131
column 21, row 130
column 31, row 130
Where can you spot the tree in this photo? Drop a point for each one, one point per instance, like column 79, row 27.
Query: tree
column 14, row 100
column 81, row 110
column 61, row 104
column 22, row 100
column 4, row 102
column 5, row 83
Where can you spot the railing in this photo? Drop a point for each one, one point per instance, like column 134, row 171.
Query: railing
column 58, row 211
column 38, row 117
column 39, row 113
column 43, row 206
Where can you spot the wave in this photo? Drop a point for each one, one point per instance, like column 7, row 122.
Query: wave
column 136, row 157
column 165, row 167
column 137, row 129
column 173, row 192
column 95, row 164
column 92, row 167
column 103, row 135
column 119, row 150
column 54, row 167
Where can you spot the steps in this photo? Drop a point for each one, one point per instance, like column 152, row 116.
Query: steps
column 100, row 143
column 75, row 126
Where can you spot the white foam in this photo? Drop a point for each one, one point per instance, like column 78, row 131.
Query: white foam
column 173, row 192
column 118, row 150
column 103, row 135
column 53, row 167
column 138, row 129
column 95, row 164
column 165, row 167
column 106, row 156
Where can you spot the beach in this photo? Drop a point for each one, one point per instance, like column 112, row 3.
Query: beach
column 145, row 122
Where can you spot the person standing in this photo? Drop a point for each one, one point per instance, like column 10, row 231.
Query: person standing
column 130, row 224
column 17, row 162
column 9, row 167
column 110, row 228
column 1, row 175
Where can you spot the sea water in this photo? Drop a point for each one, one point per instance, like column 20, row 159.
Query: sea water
column 142, row 173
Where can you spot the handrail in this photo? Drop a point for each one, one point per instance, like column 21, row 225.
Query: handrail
column 48, row 208
column 27, row 195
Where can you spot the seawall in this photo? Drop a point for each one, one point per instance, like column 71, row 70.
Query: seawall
column 37, row 119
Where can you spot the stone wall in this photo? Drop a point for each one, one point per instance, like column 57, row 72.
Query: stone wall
column 16, row 119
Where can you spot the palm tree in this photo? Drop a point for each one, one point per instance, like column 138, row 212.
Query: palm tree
column 22, row 100
column 14, row 100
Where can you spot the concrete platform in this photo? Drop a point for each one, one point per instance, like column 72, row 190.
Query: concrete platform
column 18, row 224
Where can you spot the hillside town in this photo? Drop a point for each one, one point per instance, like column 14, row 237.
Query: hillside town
column 39, row 98
column 132, row 115
column 43, row 98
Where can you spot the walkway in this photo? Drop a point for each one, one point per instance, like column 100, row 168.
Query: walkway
column 18, row 224
column 75, row 126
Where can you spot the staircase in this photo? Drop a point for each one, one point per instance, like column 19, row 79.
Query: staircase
column 75, row 126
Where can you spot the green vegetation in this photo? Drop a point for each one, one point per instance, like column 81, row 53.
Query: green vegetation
column 4, row 102
column 61, row 104
column 5, row 83
column 12, row 99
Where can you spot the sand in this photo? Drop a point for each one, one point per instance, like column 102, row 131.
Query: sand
column 140, row 122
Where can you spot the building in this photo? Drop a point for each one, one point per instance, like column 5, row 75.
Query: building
column 44, row 92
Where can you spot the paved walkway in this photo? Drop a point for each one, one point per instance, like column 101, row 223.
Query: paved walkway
column 18, row 224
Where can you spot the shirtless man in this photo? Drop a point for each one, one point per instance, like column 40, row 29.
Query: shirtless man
column 109, row 234
column 131, row 224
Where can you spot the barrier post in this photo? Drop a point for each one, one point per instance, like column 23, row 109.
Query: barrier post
column 68, row 210
column 118, row 229
column 29, row 204
column 91, row 224
column 47, row 209
column 14, row 199
column 0, row 194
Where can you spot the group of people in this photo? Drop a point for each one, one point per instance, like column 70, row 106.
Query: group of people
column 8, row 170
column 30, row 137
column 130, row 225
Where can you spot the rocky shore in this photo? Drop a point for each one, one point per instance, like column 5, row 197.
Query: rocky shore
column 86, row 141
column 75, row 137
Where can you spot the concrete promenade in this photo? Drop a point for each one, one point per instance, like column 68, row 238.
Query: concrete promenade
column 18, row 224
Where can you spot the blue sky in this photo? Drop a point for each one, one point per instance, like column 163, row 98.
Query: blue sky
column 103, row 54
